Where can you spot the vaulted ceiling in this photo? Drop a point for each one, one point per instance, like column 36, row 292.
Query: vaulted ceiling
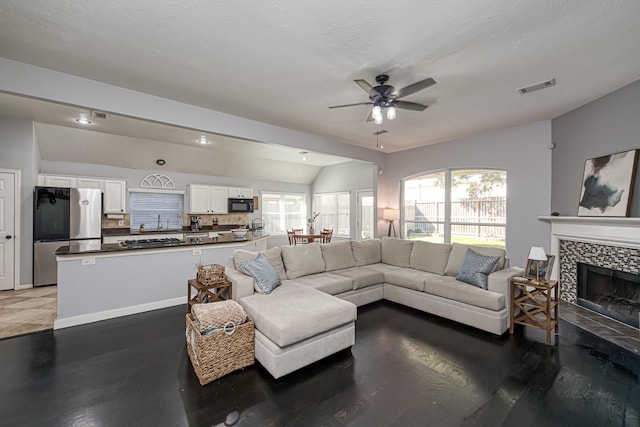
column 284, row 62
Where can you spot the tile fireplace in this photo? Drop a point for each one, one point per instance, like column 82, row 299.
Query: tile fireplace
column 608, row 250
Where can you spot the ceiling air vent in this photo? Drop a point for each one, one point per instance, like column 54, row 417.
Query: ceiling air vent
column 537, row 86
column 99, row 115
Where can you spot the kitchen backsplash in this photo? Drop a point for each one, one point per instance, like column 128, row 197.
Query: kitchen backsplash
column 229, row 219
column 114, row 223
column 207, row 220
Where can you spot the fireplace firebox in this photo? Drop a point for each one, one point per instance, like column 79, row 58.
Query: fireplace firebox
column 610, row 292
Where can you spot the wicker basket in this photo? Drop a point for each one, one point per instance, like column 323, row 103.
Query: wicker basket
column 215, row 355
column 210, row 274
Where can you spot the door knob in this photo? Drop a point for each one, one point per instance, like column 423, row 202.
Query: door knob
column 7, row 237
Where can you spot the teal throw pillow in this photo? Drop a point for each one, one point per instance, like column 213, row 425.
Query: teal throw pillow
column 475, row 268
column 265, row 277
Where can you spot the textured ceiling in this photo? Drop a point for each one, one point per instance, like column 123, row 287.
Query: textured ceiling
column 284, row 62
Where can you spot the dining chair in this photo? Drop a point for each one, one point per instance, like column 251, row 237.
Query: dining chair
column 290, row 234
column 326, row 234
column 299, row 239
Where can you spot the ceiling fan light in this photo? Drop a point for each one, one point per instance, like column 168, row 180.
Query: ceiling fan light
column 391, row 113
column 376, row 113
column 378, row 119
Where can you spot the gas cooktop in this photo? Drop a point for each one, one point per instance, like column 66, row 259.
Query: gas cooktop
column 146, row 243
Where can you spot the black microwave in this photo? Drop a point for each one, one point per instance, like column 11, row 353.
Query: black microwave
column 240, row 205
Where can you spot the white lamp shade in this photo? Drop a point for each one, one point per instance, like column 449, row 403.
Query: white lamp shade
column 537, row 253
column 391, row 113
column 391, row 214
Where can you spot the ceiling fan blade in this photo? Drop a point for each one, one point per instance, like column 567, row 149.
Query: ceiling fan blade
column 351, row 105
column 416, row 87
column 370, row 117
column 364, row 85
column 410, row 106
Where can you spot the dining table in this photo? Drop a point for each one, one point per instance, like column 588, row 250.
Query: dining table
column 308, row 238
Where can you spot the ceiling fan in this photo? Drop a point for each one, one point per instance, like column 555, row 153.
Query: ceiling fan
column 386, row 97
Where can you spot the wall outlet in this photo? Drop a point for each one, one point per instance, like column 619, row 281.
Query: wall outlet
column 121, row 222
column 88, row 261
column 197, row 252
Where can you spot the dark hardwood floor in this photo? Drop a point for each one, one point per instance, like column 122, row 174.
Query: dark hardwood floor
column 407, row 369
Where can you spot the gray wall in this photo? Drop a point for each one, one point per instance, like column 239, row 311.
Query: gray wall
column 522, row 151
column 18, row 151
column 350, row 176
column 605, row 126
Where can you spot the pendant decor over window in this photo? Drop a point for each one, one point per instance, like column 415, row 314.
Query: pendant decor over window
column 156, row 180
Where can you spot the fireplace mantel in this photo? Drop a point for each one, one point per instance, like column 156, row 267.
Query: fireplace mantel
column 613, row 231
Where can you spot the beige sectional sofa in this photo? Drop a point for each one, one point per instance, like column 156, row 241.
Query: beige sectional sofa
column 312, row 313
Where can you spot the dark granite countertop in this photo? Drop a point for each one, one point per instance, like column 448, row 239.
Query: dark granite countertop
column 75, row 248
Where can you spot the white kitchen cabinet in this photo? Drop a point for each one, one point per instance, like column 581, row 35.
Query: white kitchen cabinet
column 207, row 199
column 57, row 181
column 86, row 182
column 240, row 193
column 115, row 196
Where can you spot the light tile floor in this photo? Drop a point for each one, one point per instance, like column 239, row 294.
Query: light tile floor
column 27, row 310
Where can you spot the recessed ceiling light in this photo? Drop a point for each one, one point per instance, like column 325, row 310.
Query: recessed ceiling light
column 83, row 119
column 303, row 156
column 160, row 162
column 203, row 140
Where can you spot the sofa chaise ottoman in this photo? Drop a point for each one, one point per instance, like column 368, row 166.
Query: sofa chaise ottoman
column 297, row 325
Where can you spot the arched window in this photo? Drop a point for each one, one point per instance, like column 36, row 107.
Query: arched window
column 464, row 206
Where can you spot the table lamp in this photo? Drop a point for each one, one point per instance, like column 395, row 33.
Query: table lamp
column 391, row 215
column 537, row 254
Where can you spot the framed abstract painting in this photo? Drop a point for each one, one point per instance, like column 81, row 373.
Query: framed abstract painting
column 607, row 185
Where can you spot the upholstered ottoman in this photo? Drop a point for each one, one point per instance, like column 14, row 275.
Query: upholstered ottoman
column 297, row 325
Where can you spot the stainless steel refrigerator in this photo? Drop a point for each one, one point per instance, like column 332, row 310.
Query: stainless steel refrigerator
column 63, row 216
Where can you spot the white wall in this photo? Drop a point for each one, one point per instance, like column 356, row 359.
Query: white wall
column 522, row 151
column 29, row 80
column 18, row 151
column 350, row 176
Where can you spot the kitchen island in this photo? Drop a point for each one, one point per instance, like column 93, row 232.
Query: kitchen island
column 111, row 280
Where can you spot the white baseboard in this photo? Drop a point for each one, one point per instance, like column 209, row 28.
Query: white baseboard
column 25, row 286
column 118, row 312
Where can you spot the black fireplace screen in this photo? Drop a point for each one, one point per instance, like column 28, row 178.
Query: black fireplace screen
column 610, row 292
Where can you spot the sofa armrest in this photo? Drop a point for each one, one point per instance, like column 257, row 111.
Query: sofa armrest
column 500, row 281
column 241, row 284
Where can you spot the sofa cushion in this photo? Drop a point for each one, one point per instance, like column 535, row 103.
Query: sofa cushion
column 265, row 278
column 301, row 260
column 396, row 251
column 366, row 252
column 407, row 278
column 448, row 287
column 382, row 268
column 458, row 252
column 274, row 256
column 329, row 283
column 362, row 277
column 337, row 255
column 292, row 313
column 475, row 268
column 431, row 257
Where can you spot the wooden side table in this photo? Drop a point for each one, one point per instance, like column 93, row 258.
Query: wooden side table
column 537, row 305
column 204, row 293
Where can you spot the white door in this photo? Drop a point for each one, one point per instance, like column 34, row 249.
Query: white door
column 7, row 230
column 366, row 209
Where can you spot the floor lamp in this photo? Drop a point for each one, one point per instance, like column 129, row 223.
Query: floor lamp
column 391, row 215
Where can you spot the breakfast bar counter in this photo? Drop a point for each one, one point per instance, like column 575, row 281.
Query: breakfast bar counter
column 112, row 280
